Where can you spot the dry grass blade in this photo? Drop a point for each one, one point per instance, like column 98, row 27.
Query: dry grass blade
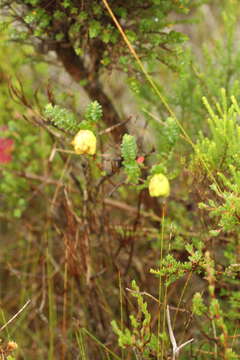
column 175, row 347
column 16, row 315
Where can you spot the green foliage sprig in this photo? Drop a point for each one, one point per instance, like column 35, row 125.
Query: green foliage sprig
column 83, row 25
column 129, row 154
column 62, row 118
column 94, row 112
column 173, row 269
column 221, row 153
column 198, row 306
column 66, row 120
column 221, row 148
column 217, row 316
column 168, row 136
column 139, row 337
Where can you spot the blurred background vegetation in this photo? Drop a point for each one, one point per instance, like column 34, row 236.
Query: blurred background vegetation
column 76, row 230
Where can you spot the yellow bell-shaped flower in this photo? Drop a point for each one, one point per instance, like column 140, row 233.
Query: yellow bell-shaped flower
column 159, row 186
column 85, row 142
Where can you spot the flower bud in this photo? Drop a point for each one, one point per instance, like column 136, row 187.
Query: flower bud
column 159, row 186
column 140, row 160
column 85, row 142
column 11, row 346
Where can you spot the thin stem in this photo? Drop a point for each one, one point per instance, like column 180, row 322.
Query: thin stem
column 16, row 315
column 160, row 291
column 121, row 307
column 101, row 344
column 181, row 297
column 215, row 336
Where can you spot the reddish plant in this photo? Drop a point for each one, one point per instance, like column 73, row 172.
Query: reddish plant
column 6, row 148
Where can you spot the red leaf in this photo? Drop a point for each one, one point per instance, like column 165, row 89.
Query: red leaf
column 6, row 148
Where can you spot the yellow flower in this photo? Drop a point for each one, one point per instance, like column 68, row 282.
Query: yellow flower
column 159, row 186
column 85, row 142
column 11, row 346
